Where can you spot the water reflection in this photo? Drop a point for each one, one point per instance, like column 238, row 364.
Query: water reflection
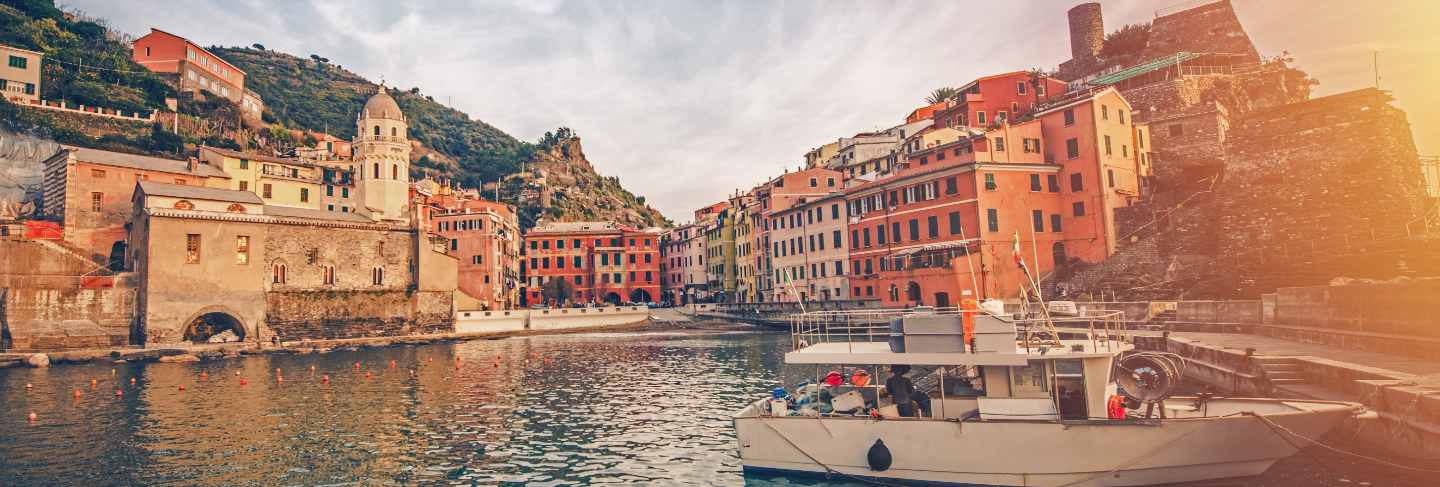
column 563, row 410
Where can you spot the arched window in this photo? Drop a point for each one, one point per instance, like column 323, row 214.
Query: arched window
column 394, row 171
column 376, row 173
column 329, row 274
column 277, row 273
column 377, row 276
column 394, row 132
column 235, row 208
column 377, row 130
column 184, row 205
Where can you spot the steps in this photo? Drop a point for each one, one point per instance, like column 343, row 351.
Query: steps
column 1281, row 371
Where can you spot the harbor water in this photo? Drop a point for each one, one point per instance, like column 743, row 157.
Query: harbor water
column 649, row 407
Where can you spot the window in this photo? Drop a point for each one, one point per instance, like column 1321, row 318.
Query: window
column 932, row 226
column 1110, row 175
column 950, row 187
column 394, row 132
column 1035, row 182
column 394, row 171
column 344, row 192
column 559, row 244
column 1037, row 219
column 895, row 232
column 1001, row 116
column 277, row 273
column 476, row 259
column 1177, row 130
column 1124, row 150
column 97, row 173
column 377, row 276
column 18, row 62
column 813, row 183
column 1000, row 143
column 242, row 250
column 1104, row 112
column 265, row 191
column 992, row 219
column 914, row 229
column 1140, row 138
column 1072, row 148
column 1077, row 183
column 304, row 195
column 577, row 262
column 1020, row 87
column 329, row 190
column 377, row 130
column 1078, row 208
column 980, row 118
column 1055, row 222
column 1108, row 150
column 864, row 237
column 95, row 199
column 1122, row 116
column 192, row 248
column 375, row 170
column 830, row 182
column 559, row 262
column 329, row 274
column 954, row 222
column 835, row 239
column 1069, row 117
column 990, row 182
column 1053, row 181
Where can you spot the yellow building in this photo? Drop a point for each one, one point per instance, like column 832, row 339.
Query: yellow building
column 277, row 181
column 20, row 74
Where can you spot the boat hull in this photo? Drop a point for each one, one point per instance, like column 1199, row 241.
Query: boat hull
column 1038, row 453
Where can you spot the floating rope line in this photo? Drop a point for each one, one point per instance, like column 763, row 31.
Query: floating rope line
column 1277, row 429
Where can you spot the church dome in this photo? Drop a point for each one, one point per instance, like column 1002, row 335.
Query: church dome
column 381, row 105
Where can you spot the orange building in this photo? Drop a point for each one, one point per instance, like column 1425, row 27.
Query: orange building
column 947, row 220
column 988, row 101
column 91, row 192
column 196, row 68
column 599, row 261
column 485, row 237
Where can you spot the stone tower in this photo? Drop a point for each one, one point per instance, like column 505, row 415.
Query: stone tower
column 1087, row 32
column 382, row 159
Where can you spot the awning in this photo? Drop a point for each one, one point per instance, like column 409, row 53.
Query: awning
column 1140, row 69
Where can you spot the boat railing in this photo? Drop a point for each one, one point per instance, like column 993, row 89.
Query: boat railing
column 1103, row 328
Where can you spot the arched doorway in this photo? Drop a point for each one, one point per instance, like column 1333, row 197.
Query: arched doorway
column 942, row 300
column 612, row 298
column 1057, row 252
column 912, row 293
column 640, row 296
column 214, row 327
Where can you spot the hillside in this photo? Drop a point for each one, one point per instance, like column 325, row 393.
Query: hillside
column 559, row 184
column 88, row 63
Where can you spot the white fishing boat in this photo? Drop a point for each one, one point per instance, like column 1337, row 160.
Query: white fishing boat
column 1015, row 403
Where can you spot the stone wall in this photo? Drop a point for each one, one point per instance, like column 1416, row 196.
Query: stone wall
column 315, row 315
column 1209, row 28
column 58, row 319
column 1399, row 308
column 1311, row 189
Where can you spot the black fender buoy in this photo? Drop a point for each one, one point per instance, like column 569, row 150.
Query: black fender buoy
column 879, row 457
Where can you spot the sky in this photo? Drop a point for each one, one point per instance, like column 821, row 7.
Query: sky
column 688, row 102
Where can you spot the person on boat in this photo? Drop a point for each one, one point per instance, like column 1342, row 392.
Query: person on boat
column 901, row 390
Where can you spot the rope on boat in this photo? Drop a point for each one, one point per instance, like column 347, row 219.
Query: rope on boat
column 1132, row 461
column 1277, row 429
column 822, row 465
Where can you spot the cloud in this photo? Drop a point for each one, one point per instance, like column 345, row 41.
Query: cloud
column 684, row 101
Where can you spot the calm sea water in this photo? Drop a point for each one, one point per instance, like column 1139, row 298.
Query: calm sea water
column 648, row 407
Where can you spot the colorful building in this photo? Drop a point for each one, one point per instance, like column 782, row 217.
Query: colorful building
column 590, row 262
column 808, row 249
column 485, row 238
column 20, row 75
column 779, row 195
column 196, row 68
column 989, row 101
column 720, row 267
column 91, row 191
column 278, row 181
column 682, row 266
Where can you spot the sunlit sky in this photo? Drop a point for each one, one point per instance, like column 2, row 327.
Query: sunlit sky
column 689, row 101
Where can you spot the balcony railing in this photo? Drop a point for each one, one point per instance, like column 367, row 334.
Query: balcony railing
column 380, row 138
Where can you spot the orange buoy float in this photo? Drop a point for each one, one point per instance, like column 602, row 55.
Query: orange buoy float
column 392, row 364
column 325, row 379
column 861, row 378
column 77, row 393
column 279, row 380
column 182, row 387
column 430, row 359
column 29, row 386
column 34, row 417
column 132, row 381
column 243, row 381
column 277, row 371
column 119, row 393
column 367, row 375
column 93, row 383
column 357, row 365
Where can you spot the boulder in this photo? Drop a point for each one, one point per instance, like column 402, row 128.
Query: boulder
column 180, row 359
column 38, row 360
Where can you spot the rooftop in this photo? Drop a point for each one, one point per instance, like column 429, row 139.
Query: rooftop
column 255, row 157
column 306, row 213
column 145, row 163
column 153, row 188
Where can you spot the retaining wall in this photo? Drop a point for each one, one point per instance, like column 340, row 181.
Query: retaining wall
column 60, row 319
column 548, row 319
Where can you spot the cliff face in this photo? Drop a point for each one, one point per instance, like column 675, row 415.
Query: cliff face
column 560, row 184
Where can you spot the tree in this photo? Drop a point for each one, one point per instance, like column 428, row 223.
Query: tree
column 941, row 94
column 1127, row 43
column 558, row 290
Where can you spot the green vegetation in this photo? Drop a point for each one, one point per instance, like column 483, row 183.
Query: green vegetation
column 84, row 63
column 1126, row 44
column 941, row 94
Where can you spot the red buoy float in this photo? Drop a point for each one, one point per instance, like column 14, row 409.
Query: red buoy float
column 325, row 379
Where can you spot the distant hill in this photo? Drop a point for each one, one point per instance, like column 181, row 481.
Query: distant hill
column 89, row 63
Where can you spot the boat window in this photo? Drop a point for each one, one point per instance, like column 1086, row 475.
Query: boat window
column 1070, row 388
column 1069, row 368
column 1028, row 380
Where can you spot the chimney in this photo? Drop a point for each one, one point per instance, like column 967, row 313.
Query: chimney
column 1087, row 31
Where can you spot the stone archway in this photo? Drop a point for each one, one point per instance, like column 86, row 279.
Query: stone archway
column 612, row 298
column 214, row 322
column 640, row 296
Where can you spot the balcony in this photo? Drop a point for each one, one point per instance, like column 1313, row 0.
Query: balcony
column 380, row 138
